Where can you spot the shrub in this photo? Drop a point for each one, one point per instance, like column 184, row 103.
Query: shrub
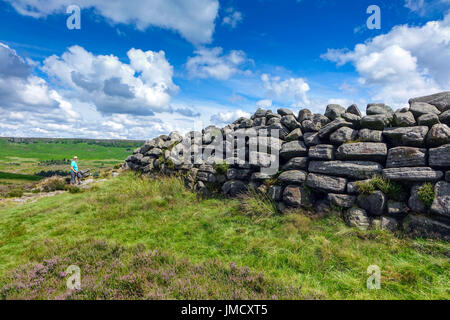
column 222, row 167
column 53, row 184
column 74, row 189
column 257, row 205
column 393, row 190
column 426, row 194
column 15, row 193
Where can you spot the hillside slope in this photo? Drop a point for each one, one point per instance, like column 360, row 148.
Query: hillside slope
column 135, row 238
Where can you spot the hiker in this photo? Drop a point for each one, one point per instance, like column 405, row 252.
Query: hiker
column 74, row 173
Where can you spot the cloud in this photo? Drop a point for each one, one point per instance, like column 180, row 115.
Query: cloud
column 212, row 63
column 22, row 91
column 290, row 90
column 142, row 87
column 223, row 118
column 193, row 19
column 264, row 104
column 232, row 18
column 187, row 111
column 405, row 62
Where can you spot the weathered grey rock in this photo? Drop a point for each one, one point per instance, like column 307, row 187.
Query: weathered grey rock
column 414, row 202
column 311, row 139
column 326, row 183
column 367, row 135
column 404, row 119
column 406, row 136
column 352, row 187
column 352, row 118
column 376, row 121
column 315, row 124
column 441, row 203
column 362, row 151
column 292, row 177
column 420, row 108
column 374, row 204
column 328, row 129
column 296, row 196
column 260, row 113
column 396, row 208
column 440, row 157
column 356, row 217
column 260, row 121
column 341, row 200
column 389, row 223
column 155, row 152
column 348, row 169
column 293, row 149
column 265, row 144
column 296, row 163
column 296, row 134
column 273, row 121
column 428, row 119
column 413, row 174
column 379, row 108
column 275, row 193
column 285, row 112
column 260, row 177
column 342, row 135
column 353, row 109
column 424, row 227
column 406, row 157
column 304, row 114
column 334, row 111
column 439, row 134
column 233, row 188
column 282, row 130
column 322, row 206
column 290, row 122
column 445, row 117
column 447, row 176
column 439, row 100
column 322, row 152
column 238, row 174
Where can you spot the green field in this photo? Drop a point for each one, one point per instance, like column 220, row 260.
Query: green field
column 21, row 159
column 135, row 238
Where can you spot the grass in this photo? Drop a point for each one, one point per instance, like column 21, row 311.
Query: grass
column 392, row 189
column 16, row 176
column 136, row 238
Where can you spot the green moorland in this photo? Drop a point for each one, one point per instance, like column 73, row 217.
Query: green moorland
column 136, row 238
column 22, row 158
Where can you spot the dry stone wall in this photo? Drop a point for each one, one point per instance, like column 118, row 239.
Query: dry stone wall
column 387, row 169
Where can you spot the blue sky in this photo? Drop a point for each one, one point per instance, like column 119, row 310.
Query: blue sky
column 139, row 68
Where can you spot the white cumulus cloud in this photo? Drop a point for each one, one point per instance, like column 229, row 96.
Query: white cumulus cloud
column 143, row 86
column 232, row 18
column 290, row 90
column 193, row 19
column 223, row 118
column 212, row 63
column 405, row 62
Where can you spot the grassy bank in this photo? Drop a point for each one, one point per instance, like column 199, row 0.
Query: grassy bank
column 136, row 238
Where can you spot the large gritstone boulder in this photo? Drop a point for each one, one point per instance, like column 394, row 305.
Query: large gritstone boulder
column 341, row 200
column 439, row 134
column 406, row 157
column 374, row 204
column 420, row 108
column 356, row 217
column 296, row 163
column 439, row 100
column 404, row 119
column 296, row 196
column 413, row 174
column 234, row 188
column 333, row 126
column 343, row 135
column 334, row 111
column 376, row 121
column 326, row 183
column 410, row 136
column 293, row 149
column 440, row 157
column 322, row 152
column 292, row 177
column 347, row 169
column 362, row 151
column 441, row 203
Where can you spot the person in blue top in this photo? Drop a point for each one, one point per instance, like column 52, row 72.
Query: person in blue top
column 74, row 172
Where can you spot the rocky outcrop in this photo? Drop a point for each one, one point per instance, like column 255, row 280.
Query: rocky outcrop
column 318, row 161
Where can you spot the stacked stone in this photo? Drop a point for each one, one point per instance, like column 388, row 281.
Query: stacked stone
column 322, row 159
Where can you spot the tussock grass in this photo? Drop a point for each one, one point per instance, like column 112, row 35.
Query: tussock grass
column 114, row 230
